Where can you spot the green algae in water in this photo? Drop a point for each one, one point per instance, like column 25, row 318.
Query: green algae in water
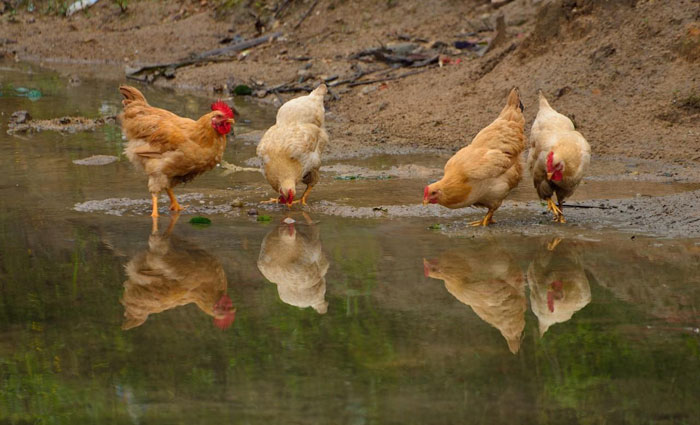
column 199, row 221
column 264, row 218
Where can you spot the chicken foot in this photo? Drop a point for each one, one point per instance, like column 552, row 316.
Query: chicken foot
column 304, row 195
column 174, row 205
column 556, row 210
column 488, row 219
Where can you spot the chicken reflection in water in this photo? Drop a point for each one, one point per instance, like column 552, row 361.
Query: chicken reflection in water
column 558, row 283
column 291, row 257
column 489, row 281
column 172, row 273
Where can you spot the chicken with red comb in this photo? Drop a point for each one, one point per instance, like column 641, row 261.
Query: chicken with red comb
column 291, row 149
column 171, row 273
column 558, row 158
column 170, row 149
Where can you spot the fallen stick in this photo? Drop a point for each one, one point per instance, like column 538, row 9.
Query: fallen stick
column 307, row 13
column 203, row 57
column 380, row 80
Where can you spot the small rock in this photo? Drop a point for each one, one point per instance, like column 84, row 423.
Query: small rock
column 237, row 203
column 252, row 211
column 96, row 160
column 169, row 73
column 303, row 74
column 20, row 117
column 369, row 89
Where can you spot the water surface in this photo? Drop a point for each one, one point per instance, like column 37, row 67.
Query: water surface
column 328, row 320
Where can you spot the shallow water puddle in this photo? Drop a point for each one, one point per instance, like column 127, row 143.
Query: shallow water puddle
column 324, row 320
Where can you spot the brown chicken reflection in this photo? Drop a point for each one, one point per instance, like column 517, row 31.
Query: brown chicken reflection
column 558, row 283
column 291, row 257
column 172, row 273
column 490, row 282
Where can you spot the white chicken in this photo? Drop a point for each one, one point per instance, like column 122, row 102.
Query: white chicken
column 559, row 157
column 291, row 149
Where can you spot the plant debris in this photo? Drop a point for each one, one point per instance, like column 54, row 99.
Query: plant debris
column 199, row 221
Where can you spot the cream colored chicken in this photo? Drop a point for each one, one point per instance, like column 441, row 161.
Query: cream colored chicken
column 173, row 273
column 291, row 257
column 485, row 171
column 558, row 159
column 490, row 282
column 291, row 149
column 558, row 284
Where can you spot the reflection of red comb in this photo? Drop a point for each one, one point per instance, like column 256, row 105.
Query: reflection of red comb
column 224, row 305
column 222, row 107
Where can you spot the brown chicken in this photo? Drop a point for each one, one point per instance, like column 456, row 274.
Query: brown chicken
column 490, row 282
column 291, row 257
column 170, row 274
column 291, row 149
column 558, row 284
column 171, row 149
column 558, row 158
column 484, row 172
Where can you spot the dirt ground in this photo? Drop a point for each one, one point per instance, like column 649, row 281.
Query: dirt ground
column 625, row 71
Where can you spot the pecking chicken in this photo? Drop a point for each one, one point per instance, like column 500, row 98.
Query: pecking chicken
column 171, row 149
column 291, row 149
column 558, row 284
column 494, row 289
column 484, row 172
column 558, row 159
column 172, row 273
column 292, row 258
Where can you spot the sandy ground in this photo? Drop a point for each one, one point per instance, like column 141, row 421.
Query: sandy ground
column 626, row 71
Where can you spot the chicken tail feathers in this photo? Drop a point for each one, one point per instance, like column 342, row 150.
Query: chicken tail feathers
column 514, row 99
column 513, row 111
column 543, row 100
column 131, row 94
column 320, row 90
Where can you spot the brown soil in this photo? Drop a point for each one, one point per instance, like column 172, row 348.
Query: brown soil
column 625, row 71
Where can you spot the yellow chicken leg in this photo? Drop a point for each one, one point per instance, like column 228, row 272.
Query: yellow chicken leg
column 558, row 215
column 553, row 244
column 304, row 196
column 154, row 201
column 174, row 205
column 270, row 201
column 488, row 219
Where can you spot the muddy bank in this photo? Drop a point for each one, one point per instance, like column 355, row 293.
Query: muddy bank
column 624, row 71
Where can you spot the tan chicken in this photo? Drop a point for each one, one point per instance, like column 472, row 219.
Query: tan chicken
column 558, row 159
column 173, row 273
column 171, row 149
column 484, row 172
column 292, row 258
column 291, row 149
column 491, row 283
column 558, row 284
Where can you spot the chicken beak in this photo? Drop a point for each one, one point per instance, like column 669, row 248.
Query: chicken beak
column 425, row 201
column 231, row 121
column 549, row 176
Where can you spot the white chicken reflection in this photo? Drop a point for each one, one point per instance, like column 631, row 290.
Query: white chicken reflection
column 291, row 257
column 558, row 283
column 490, row 282
column 173, row 273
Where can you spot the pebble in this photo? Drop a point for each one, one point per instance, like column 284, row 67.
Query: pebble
column 237, row 203
column 252, row 211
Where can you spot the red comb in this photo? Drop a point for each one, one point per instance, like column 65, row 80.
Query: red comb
column 425, row 192
column 226, row 304
column 550, row 161
column 222, row 107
